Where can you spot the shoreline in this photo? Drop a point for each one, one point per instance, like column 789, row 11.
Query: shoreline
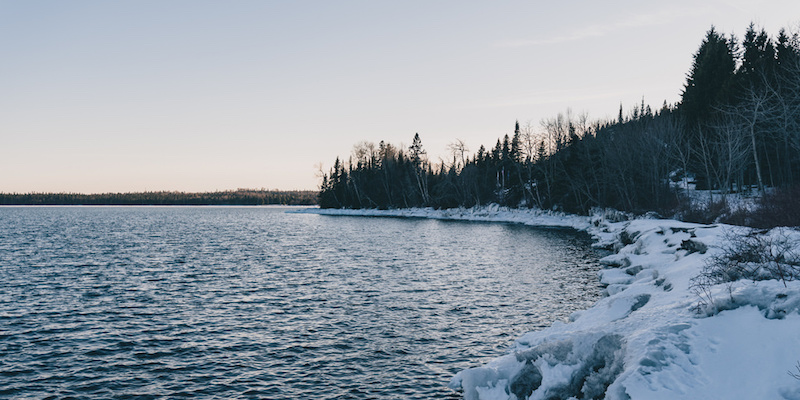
column 646, row 339
column 491, row 213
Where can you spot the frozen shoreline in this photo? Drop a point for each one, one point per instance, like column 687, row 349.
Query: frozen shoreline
column 644, row 340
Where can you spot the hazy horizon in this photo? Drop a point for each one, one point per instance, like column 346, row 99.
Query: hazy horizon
column 171, row 191
column 113, row 97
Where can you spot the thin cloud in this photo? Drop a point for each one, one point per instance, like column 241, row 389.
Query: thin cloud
column 552, row 97
column 662, row 17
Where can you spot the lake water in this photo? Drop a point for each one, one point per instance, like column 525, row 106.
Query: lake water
column 255, row 302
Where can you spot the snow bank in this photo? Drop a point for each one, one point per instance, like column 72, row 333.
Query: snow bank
column 646, row 339
column 492, row 213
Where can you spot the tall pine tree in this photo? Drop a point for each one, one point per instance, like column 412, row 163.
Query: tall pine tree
column 708, row 82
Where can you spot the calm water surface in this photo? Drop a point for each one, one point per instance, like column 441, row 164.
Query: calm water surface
column 151, row 302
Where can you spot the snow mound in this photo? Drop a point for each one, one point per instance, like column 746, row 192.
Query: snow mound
column 581, row 365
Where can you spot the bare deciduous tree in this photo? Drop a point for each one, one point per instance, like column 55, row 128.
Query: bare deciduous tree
column 458, row 149
column 730, row 148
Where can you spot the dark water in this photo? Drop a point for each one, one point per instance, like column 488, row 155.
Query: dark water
column 140, row 303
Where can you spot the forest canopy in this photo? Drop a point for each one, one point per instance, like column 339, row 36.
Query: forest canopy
column 735, row 129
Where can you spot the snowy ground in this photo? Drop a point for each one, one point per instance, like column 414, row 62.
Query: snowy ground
column 647, row 339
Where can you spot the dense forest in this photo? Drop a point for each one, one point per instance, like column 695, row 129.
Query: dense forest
column 237, row 197
column 736, row 129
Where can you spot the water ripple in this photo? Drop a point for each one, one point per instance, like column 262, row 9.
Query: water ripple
column 155, row 303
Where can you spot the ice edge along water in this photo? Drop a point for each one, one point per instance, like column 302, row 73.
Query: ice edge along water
column 643, row 340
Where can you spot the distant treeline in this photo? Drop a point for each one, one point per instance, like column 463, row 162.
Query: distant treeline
column 736, row 128
column 238, row 197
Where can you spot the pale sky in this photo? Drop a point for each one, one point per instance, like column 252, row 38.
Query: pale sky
column 116, row 96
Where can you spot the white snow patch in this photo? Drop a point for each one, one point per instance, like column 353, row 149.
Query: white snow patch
column 645, row 340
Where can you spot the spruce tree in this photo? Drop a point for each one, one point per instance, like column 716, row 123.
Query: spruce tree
column 708, row 81
column 416, row 151
column 758, row 59
column 516, row 146
column 787, row 50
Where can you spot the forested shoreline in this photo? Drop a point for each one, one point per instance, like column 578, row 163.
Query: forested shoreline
column 736, row 129
column 250, row 197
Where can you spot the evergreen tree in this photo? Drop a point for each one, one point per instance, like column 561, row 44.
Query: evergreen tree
column 516, row 151
column 787, row 50
column 731, row 126
column 420, row 169
column 415, row 150
column 758, row 59
column 707, row 83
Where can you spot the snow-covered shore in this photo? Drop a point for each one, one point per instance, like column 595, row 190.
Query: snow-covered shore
column 646, row 339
